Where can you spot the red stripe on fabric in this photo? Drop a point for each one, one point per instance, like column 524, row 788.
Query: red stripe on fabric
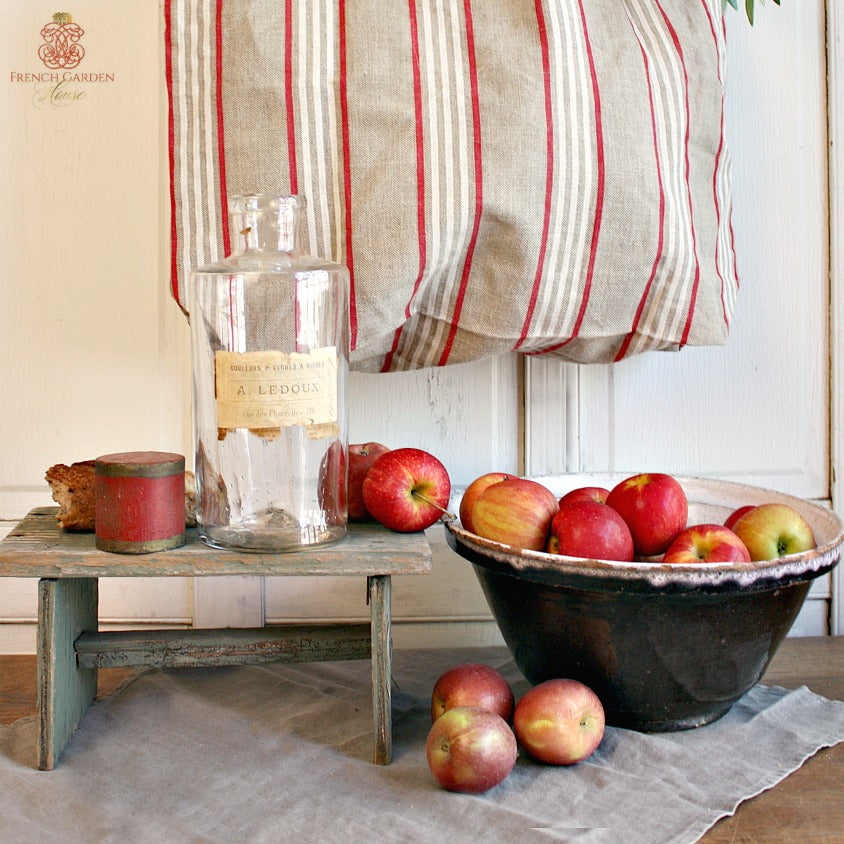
column 171, row 152
column 732, row 233
column 221, row 139
column 420, row 174
column 717, row 164
column 718, row 215
column 288, row 97
column 599, row 198
column 660, row 240
column 693, row 299
column 347, row 175
column 479, row 194
column 549, row 169
column 599, row 191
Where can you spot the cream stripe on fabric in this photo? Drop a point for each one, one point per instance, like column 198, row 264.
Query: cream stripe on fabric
column 446, row 129
column 664, row 313
column 194, row 133
column 306, row 173
column 725, row 255
column 186, row 185
column 334, row 247
column 210, row 158
column 418, row 341
column 447, row 93
column 577, row 177
column 198, row 29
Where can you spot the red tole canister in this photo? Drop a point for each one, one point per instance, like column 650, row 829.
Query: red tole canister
column 140, row 501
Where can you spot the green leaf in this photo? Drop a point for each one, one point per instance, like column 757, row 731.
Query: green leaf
column 748, row 6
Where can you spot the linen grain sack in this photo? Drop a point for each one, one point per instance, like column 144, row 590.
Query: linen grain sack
column 545, row 176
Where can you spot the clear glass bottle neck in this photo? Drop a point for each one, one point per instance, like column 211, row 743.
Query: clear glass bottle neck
column 265, row 222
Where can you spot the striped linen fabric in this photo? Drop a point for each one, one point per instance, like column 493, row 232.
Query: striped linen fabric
column 545, row 176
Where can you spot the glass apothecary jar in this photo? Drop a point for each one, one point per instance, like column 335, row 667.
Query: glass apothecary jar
column 270, row 352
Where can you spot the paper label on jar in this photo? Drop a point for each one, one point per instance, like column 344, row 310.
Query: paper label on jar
column 266, row 391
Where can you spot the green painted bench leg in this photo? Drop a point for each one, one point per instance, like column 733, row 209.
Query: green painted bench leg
column 380, row 592
column 66, row 608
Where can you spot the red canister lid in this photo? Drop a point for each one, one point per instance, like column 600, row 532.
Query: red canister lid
column 140, row 501
column 140, row 464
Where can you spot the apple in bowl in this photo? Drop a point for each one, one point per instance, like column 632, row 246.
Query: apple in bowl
column 515, row 512
column 770, row 531
column 707, row 543
column 586, row 493
column 655, row 507
column 737, row 514
column 473, row 491
column 585, row 528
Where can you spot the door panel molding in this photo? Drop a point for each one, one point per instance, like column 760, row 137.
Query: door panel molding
column 835, row 140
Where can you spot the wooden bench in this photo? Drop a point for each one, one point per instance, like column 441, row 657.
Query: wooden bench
column 71, row 648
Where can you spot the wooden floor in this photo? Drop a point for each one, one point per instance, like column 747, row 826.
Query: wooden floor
column 798, row 661
column 806, row 807
column 18, row 689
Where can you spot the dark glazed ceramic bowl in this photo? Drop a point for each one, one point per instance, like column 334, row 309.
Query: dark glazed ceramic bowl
column 665, row 647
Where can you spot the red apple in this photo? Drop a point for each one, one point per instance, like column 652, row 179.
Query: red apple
column 707, row 543
column 517, row 512
column 560, row 722
column 472, row 684
column 406, row 489
column 737, row 514
column 467, row 502
column 333, row 483
column 470, row 749
column 589, row 529
column 770, row 531
column 654, row 507
column 586, row 493
column 361, row 458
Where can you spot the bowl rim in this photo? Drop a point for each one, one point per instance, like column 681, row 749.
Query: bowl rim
column 547, row 567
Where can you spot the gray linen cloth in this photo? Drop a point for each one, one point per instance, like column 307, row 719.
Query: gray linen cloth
column 282, row 753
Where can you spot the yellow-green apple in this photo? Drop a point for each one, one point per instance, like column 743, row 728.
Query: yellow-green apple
column 361, row 458
column 586, row 493
column 589, row 529
column 467, row 502
column 406, row 489
column 560, row 722
column 737, row 514
column 655, row 508
column 470, row 749
column 770, row 531
column 472, row 684
column 333, row 496
column 706, row 543
column 517, row 512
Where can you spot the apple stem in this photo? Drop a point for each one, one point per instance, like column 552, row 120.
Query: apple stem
column 422, row 497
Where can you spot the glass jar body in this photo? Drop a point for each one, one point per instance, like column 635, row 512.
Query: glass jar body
column 270, row 349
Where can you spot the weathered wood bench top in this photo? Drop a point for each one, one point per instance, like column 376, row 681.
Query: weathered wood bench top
column 38, row 547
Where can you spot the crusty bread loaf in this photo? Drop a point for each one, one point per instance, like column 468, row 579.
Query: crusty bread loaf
column 190, row 499
column 73, row 490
